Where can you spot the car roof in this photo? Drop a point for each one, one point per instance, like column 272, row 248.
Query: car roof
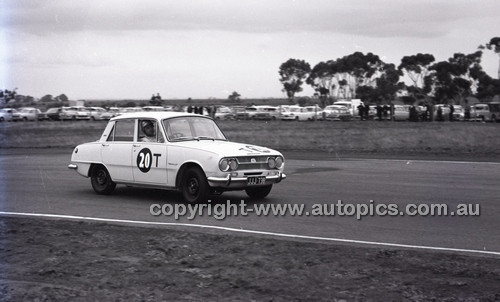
column 159, row 115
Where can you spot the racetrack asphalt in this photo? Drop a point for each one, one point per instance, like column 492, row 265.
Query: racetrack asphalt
column 38, row 181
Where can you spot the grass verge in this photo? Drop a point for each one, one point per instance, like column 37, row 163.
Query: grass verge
column 468, row 138
column 57, row 260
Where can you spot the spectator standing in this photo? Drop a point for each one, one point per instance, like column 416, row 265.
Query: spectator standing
column 361, row 111
column 452, row 110
column 385, row 111
column 379, row 112
column 440, row 114
column 467, row 113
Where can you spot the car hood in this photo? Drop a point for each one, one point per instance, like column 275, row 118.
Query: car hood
column 225, row 148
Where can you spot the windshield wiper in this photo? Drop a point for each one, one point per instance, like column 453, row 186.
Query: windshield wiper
column 183, row 138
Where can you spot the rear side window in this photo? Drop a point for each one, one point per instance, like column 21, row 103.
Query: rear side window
column 123, row 131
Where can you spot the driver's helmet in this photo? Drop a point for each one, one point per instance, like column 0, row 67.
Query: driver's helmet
column 148, row 128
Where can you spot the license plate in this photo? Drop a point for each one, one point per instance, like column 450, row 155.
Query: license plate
column 259, row 180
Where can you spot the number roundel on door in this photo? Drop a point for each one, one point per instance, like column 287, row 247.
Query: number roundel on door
column 144, row 160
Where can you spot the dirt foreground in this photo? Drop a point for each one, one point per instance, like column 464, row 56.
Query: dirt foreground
column 61, row 260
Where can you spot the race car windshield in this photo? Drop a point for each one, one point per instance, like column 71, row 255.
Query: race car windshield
column 192, row 128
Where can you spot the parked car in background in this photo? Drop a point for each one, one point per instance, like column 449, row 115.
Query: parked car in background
column 494, row 111
column 29, row 114
column 315, row 111
column 153, row 108
column 224, row 113
column 262, row 112
column 75, row 113
column 351, row 105
column 176, row 151
column 487, row 112
column 458, row 113
column 10, row 115
column 250, row 111
column 131, row 109
column 239, row 112
column 445, row 111
column 67, row 113
column 268, row 111
column 297, row 113
column 336, row 113
column 98, row 113
column 42, row 116
column 3, row 116
column 115, row 111
column 401, row 113
column 54, row 114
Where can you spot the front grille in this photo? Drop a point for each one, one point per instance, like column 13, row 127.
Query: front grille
column 252, row 162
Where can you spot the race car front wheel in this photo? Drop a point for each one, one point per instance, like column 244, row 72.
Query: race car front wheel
column 194, row 186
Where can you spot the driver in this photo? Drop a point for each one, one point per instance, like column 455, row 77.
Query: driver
column 148, row 128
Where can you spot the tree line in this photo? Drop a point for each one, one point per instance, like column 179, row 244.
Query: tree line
column 367, row 77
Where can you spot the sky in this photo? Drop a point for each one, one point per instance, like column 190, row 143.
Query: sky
column 119, row 49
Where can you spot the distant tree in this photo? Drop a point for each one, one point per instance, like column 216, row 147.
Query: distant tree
column 386, row 88
column 388, row 83
column 8, row 95
column 62, row 98
column 47, row 98
column 456, row 78
column 292, row 75
column 303, row 101
column 416, row 67
column 352, row 71
column 321, row 78
column 235, row 96
column 494, row 45
column 487, row 87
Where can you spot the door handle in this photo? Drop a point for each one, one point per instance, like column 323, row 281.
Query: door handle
column 136, row 145
column 105, row 145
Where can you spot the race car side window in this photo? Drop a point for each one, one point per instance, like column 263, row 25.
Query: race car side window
column 123, row 131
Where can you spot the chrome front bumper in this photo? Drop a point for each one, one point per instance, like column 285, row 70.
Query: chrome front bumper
column 241, row 182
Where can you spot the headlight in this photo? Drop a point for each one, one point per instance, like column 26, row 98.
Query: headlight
column 279, row 162
column 224, row 165
column 228, row 164
column 271, row 162
column 233, row 164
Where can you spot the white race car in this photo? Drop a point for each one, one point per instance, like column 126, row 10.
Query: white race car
column 178, row 151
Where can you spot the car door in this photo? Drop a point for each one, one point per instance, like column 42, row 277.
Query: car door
column 149, row 156
column 116, row 151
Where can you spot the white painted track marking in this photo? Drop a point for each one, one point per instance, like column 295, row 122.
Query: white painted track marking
column 252, row 232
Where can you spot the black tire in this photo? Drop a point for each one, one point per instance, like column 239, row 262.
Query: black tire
column 194, row 186
column 258, row 192
column 101, row 180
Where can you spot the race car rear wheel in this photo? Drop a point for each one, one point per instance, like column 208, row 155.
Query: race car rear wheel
column 194, row 185
column 101, row 180
column 258, row 192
